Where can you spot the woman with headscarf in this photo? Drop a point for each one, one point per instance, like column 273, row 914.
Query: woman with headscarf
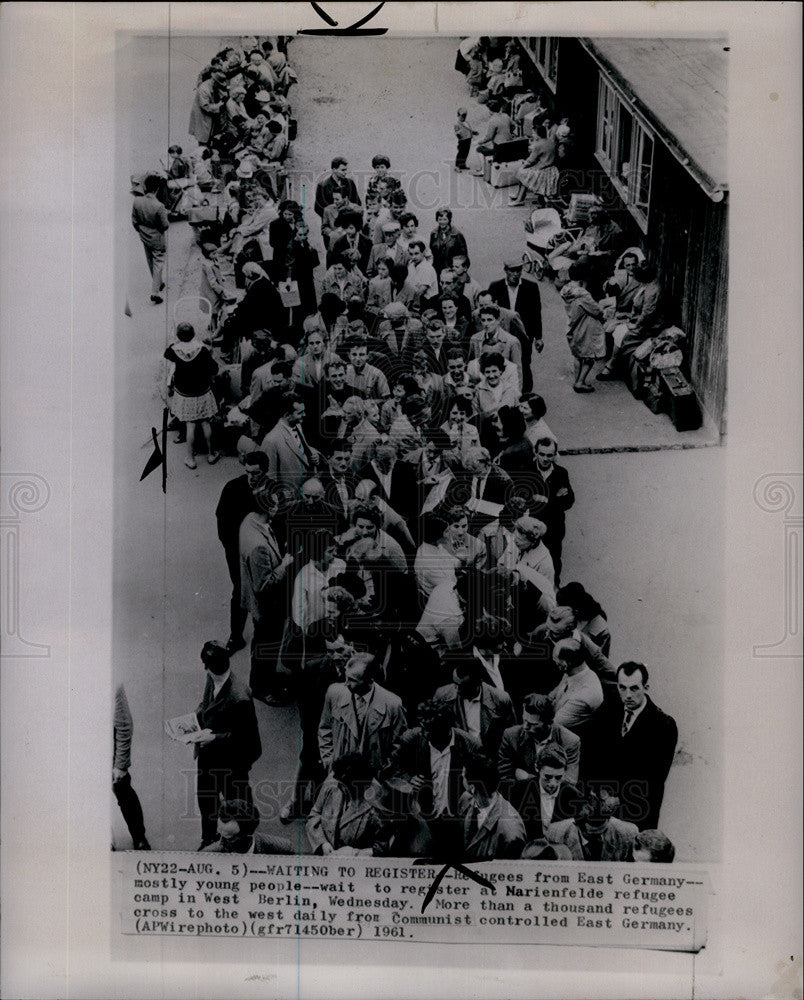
column 533, row 562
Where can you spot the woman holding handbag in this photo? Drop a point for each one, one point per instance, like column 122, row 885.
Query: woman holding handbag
column 190, row 394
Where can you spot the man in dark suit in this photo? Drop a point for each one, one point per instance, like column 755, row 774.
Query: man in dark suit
column 353, row 244
column 486, row 644
column 538, row 792
column 520, row 744
column 479, row 480
column 551, row 499
column 229, row 741
column 432, row 757
column 237, row 832
column 337, row 179
column 523, row 298
column 311, row 512
column 633, row 747
column 237, row 500
column 396, row 480
column 338, row 482
column 477, row 708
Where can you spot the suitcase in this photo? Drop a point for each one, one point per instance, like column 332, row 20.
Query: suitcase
column 201, row 215
column 514, row 149
column 680, row 400
column 504, row 174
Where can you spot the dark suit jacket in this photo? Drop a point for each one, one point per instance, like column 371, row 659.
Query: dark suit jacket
column 518, row 750
column 323, row 192
column 412, row 757
column 496, row 713
column 364, row 246
column 618, row 839
column 331, row 493
column 501, row 836
column 639, row 761
column 527, row 305
column 404, row 495
column 547, row 506
column 260, row 308
column 514, row 671
column 232, row 718
column 235, row 502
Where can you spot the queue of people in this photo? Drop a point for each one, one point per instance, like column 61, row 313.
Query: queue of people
column 395, row 539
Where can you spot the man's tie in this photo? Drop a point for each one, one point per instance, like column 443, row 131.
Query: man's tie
column 627, row 721
column 594, row 847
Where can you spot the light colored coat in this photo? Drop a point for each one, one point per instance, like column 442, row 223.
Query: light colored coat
column 339, row 733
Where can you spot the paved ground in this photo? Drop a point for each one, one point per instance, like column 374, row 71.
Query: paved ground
column 645, row 536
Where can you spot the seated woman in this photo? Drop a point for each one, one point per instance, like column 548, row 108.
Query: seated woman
column 592, row 620
column 342, row 821
column 430, row 383
column 647, row 319
column 538, row 175
column 380, row 292
column 255, row 225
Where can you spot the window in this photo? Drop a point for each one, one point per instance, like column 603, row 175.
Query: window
column 545, row 55
column 607, row 105
column 641, row 169
column 625, row 150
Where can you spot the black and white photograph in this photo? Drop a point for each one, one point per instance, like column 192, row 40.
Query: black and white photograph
column 406, row 538
column 444, row 385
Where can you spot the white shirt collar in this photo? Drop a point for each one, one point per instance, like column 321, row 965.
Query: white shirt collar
column 218, row 682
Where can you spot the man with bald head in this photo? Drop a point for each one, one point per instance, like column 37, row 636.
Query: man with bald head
column 562, row 623
column 309, row 513
column 579, row 694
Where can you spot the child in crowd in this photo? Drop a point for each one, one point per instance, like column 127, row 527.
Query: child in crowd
column 464, row 135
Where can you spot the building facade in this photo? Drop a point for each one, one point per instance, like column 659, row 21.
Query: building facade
column 649, row 119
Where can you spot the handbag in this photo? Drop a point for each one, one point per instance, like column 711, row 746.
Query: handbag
column 289, row 292
column 666, row 356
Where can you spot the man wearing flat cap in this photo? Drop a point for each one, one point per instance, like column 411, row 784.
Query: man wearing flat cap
column 390, row 248
column 523, row 298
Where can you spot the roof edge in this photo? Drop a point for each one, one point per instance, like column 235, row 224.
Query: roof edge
column 714, row 189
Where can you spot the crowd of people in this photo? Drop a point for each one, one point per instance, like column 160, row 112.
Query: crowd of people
column 395, row 538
